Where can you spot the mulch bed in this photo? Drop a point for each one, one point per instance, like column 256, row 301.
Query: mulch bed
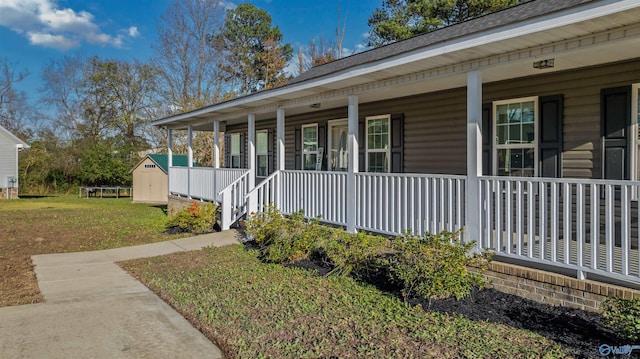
column 580, row 332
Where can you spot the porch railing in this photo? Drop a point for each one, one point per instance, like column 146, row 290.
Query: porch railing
column 203, row 183
column 387, row 203
column 584, row 225
column 233, row 201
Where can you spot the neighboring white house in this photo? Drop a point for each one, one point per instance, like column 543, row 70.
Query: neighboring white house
column 10, row 145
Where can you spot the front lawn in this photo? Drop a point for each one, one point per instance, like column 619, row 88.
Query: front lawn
column 66, row 224
column 256, row 310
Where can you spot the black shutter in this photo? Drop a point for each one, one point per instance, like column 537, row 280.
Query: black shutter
column 271, row 160
column 362, row 146
column 615, row 120
column 397, row 143
column 298, row 148
column 487, row 139
column 243, row 151
column 227, row 150
column 550, row 113
column 322, row 142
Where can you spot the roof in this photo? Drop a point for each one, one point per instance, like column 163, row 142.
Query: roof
column 500, row 18
column 162, row 161
column 19, row 143
column 451, row 45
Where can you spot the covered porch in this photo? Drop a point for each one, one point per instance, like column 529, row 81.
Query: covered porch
column 569, row 204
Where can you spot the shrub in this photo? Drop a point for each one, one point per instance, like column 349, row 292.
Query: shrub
column 435, row 266
column 285, row 240
column 352, row 253
column 197, row 218
column 623, row 315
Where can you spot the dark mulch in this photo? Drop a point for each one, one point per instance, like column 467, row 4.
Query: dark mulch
column 580, row 332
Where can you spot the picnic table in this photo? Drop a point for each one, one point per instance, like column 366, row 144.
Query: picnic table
column 94, row 190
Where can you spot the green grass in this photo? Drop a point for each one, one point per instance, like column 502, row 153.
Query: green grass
column 91, row 223
column 256, row 310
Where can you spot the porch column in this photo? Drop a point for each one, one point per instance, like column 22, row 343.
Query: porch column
column 251, row 201
column 190, row 146
column 352, row 147
column 474, row 156
column 169, row 157
column 280, row 134
column 189, row 158
column 251, row 150
column 216, row 144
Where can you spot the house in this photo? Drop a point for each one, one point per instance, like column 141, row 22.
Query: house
column 520, row 127
column 150, row 177
column 10, row 145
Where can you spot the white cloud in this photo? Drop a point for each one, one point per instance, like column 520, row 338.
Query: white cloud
column 43, row 23
column 133, row 31
column 53, row 41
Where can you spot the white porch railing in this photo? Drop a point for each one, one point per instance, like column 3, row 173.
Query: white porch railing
column 203, row 183
column 234, row 203
column 179, row 181
column 584, row 225
column 419, row 203
column 387, row 203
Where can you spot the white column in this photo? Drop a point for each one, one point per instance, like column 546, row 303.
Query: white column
column 280, row 134
column 169, row 156
column 252, row 151
column 352, row 147
column 474, row 156
column 216, row 144
column 189, row 158
column 252, row 200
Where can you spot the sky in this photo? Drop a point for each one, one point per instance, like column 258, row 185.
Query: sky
column 35, row 32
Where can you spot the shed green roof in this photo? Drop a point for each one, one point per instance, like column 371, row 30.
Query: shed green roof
column 162, row 160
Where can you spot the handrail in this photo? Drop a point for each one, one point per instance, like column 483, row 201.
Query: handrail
column 228, row 188
column 263, row 183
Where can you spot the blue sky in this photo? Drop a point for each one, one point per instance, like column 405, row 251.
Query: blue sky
column 33, row 32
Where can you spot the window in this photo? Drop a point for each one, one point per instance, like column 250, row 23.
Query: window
column 262, row 153
column 235, row 150
column 309, row 146
column 515, row 126
column 378, row 135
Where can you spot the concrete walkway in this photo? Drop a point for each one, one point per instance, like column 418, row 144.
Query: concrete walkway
column 94, row 309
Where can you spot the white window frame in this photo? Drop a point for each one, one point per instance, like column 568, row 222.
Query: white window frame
column 533, row 145
column 304, row 152
column 231, row 153
column 264, row 153
column 366, row 136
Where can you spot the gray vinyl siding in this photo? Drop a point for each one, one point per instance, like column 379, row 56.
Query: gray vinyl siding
column 435, row 123
column 582, row 150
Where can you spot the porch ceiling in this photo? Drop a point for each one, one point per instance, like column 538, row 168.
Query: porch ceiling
column 502, row 54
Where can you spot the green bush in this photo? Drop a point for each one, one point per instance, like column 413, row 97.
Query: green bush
column 285, row 240
column 435, row 266
column 197, row 218
column 623, row 315
column 352, row 253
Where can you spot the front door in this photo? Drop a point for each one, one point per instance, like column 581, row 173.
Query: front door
column 338, row 154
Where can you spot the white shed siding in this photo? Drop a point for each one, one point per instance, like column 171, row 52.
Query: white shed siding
column 8, row 160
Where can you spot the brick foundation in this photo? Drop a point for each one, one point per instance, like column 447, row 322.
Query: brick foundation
column 9, row 193
column 175, row 203
column 554, row 289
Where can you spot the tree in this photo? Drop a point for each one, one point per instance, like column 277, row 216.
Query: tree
column 245, row 37
column 15, row 112
column 400, row 19
column 188, row 65
column 128, row 90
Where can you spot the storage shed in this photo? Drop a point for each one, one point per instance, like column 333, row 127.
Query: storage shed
column 10, row 145
column 150, row 178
